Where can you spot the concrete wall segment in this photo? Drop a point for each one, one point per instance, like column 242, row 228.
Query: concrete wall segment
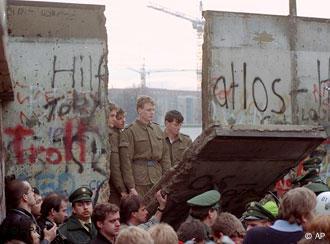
column 265, row 69
column 32, row 19
column 55, row 131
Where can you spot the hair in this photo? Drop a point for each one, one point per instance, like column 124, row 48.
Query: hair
column 134, row 235
column 111, row 107
column 142, row 100
column 320, row 224
column 101, row 211
column 163, row 234
column 17, row 227
column 228, row 225
column 200, row 212
column 120, row 112
column 128, row 205
column 296, row 204
column 51, row 201
column 191, row 229
column 172, row 115
column 14, row 190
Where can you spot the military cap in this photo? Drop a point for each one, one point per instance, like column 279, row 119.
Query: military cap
column 206, row 199
column 317, row 187
column 257, row 211
column 81, row 194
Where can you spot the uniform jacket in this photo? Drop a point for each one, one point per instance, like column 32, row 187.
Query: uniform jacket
column 177, row 148
column 145, row 143
column 74, row 232
column 116, row 178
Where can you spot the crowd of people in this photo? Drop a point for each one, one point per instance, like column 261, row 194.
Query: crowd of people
column 140, row 154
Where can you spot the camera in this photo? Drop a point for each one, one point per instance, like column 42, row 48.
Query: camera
column 49, row 225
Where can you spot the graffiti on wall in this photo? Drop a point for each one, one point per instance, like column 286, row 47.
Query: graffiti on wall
column 264, row 98
column 55, row 132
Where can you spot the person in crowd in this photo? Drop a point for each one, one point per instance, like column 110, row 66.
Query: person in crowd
column 120, row 119
column 143, row 147
column 310, row 177
column 318, row 230
column 20, row 199
column 53, row 212
column 107, row 221
column 133, row 211
column 205, row 207
column 35, row 210
column 228, row 225
column 192, row 230
column 260, row 214
column 117, row 186
column 176, row 141
column 296, row 210
column 20, row 229
column 79, row 227
column 323, row 203
column 163, row 234
column 134, row 235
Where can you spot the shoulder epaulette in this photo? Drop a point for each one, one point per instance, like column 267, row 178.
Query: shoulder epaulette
column 185, row 135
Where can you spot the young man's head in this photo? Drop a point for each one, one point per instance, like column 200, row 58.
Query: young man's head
column 192, row 230
column 106, row 219
column 120, row 119
column 37, row 207
column 81, row 200
column 133, row 210
column 163, row 233
column 134, row 235
column 145, row 107
column 297, row 205
column 227, row 224
column 54, row 208
column 112, row 111
column 19, row 194
column 173, row 122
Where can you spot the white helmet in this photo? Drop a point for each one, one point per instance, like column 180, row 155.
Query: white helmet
column 323, row 203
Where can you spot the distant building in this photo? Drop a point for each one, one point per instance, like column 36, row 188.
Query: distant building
column 187, row 102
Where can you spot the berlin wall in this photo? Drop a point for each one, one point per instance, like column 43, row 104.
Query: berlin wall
column 55, row 131
column 264, row 69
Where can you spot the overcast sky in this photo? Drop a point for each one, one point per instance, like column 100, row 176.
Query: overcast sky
column 138, row 34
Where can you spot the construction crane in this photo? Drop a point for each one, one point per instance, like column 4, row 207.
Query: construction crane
column 144, row 72
column 197, row 24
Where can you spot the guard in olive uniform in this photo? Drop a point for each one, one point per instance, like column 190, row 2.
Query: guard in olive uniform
column 176, row 141
column 143, row 147
column 79, row 227
column 205, row 207
column 117, row 186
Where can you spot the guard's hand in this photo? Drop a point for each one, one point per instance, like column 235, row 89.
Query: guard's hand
column 133, row 192
column 161, row 199
column 123, row 194
column 50, row 234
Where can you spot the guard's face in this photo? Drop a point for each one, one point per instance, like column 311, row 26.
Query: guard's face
column 83, row 210
column 112, row 118
column 141, row 215
column 173, row 127
column 62, row 214
column 120, row 122
column 110, row 226
column 146, row 114
column 256, row 223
